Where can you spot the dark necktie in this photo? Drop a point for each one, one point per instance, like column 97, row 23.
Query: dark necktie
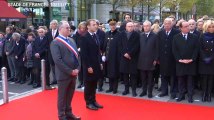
column 147, row 35
column 185, row 37
column 95, row 39
column 167, row 34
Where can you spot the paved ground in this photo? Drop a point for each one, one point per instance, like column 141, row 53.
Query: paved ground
column 197, row 97
column 18, row 90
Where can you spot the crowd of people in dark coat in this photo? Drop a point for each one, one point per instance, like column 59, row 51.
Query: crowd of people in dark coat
column 180, row 53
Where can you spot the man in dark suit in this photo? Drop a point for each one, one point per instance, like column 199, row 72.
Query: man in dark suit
column 100, row 35
column 51, row 35
column 40, row 52
column 9, row 59
column 166, row 59
column 192, row 27
column 91, row 58
column 65, row 56
column 18, row 51
column 185, row 49
column 147, row 58
column 129, row 43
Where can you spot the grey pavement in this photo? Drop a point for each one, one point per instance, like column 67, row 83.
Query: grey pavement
column 196, row 97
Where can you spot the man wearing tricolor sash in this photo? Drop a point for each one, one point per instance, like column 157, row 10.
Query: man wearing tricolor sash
column 65, row 56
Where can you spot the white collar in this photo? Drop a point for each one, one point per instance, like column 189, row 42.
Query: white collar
column 168, row 31
column 63, row 36
column 191, row 31
column 91, row 33
column 184, row 34
column 147, row 33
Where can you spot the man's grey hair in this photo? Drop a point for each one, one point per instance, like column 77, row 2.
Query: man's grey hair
column 16, row 35
column 61, row 23
column 54, row 21
column 168, row 19
column 147, row 22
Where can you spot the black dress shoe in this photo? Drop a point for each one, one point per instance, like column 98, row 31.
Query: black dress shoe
column 134, row 94
column 190, row 100
column 97, row 105
column 22, row 82
column 204, row 97
column 142, row 94
column 180, row 98
column 100, row 89
column 10, row 79
column 79, row 86
column 54, row 82
column 30, row 83
column 17, row 81
column 114, row 92
column 162, row 95
column 125, row 92
column 49, row 88
column 173, row 96
column 91, row 107
column 73, row 117
column 150, row 95
column 36, row 85
column 14, row 80
column 108, row 91
column 209, row 98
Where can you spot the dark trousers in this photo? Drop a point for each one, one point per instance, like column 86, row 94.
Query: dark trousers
column 100, row 83
column 169, row 80
column 156, row 73
column 90, row 91
column 82, row 73
column 49, row 68
column 147, row 80
column 20, row 73
column 113, row 84
column 207, row 83
column 66, row 90
column 185, row 81
column 47, row 71
column 36, row 75
column 12, row 65
column 133, row 81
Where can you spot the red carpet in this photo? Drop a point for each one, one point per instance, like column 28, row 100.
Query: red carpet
column 42, row 106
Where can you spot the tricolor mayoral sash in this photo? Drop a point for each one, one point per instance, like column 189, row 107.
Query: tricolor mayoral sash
column 69, row 45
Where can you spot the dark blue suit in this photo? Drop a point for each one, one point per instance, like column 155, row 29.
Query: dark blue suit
column 91, row 57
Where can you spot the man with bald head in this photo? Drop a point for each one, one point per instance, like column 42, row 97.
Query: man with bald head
column 41, row 48
column 185, row 50
column 147, row 58
column 129, row 43
column 65, row 56
column 192, row 28
column 166, row 59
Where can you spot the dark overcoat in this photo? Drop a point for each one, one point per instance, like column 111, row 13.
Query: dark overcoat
column 185, row 49
column 130, row 46
column 148, row 51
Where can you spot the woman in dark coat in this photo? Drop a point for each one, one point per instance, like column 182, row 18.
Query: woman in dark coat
column 206, row 61
column 112, row 57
